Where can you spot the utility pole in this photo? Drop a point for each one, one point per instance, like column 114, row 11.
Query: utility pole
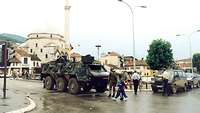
column 5, row 54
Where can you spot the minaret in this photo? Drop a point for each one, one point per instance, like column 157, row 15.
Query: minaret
column 66, row 24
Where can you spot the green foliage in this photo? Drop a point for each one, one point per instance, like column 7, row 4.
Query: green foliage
column 160, row 55
column 196, row 61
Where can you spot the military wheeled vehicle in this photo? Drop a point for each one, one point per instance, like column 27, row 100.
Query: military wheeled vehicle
column 75, row 77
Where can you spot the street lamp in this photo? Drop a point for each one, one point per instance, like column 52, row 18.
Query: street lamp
column 131, row 9
column 190, row 47
column 98, row 46
column 4, row 56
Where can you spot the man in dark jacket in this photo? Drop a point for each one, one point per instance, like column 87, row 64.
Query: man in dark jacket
column 112, row 82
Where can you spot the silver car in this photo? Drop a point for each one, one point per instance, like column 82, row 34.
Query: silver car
column 193, row 80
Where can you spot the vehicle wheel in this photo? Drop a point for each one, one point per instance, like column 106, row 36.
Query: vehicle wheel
column 174, row 90
column 73, row 86
column 49, row 83
column 185, row 88
column 192, row 85
column 61, row 84
column 198, row 85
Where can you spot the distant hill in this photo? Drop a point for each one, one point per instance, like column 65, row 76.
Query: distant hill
column 12, row 37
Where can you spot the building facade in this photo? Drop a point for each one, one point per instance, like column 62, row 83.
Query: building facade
column 111, row 58
column 184, row 63
column 21, row 62
column 45, row 45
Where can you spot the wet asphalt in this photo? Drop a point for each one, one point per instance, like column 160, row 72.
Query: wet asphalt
column 144, row 102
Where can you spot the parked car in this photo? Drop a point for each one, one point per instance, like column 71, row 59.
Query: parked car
column 177, row 80
column 193, row 80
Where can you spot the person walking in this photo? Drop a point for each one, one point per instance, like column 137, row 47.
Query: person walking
column 120, row 92
column 112, row 80
column 136, row 78
column 165, row 84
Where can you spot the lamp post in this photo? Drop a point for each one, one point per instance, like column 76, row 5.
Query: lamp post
column 190, row 48
column 4, row 56
column 131, row 9
column 98, row 46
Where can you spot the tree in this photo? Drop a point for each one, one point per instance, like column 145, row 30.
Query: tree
column 196, row 61
column 160, row 55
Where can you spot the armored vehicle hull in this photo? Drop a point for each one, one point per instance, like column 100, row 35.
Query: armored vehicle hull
column 74, row 77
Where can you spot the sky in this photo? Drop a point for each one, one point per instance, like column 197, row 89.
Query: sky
column 108, row 23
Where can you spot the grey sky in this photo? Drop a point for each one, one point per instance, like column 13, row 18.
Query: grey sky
column 108, row 22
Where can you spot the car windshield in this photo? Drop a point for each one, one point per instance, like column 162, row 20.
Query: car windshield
column 97, row 68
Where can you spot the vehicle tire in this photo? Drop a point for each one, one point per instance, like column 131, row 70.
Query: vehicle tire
column 174, row 89
column 61, row 84
column 49, row 83
column 192, row 85
column 198, row 85
column 186, row 88
column 73, row 86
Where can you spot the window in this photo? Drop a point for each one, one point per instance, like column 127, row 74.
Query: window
column 36, row 45
column 33, row 64
column 31, row 50
column 37, row 64
column 41, row 50
column 25, row 60
column 46, row 55
column 137, row 67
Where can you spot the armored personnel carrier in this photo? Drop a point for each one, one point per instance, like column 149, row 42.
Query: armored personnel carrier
column 74, row 77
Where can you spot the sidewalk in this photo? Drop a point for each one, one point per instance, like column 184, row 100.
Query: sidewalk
column 15, row 100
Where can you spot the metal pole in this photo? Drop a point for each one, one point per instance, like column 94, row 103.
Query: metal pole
column 190, row 52
column 5, row 69
column 134, row 66
column 98, row 53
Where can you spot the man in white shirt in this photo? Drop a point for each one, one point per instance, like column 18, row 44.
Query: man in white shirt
column 165, row 83
column 136, row 78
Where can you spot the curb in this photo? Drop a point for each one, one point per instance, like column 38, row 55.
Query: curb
column 30, row 107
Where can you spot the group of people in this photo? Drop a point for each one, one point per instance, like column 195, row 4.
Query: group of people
column 117, row 80
column 16, row 74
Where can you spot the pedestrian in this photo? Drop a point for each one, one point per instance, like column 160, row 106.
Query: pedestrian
column 26, row 75
column 129, row 80
column 165, row 84
column 120, row 92
column 136, row 78
column 112, row 80
column 14, row 74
